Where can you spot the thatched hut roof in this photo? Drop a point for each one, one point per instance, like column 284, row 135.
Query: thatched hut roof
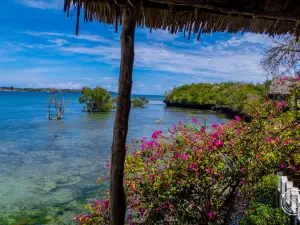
column 282, row 86
column 273, row 17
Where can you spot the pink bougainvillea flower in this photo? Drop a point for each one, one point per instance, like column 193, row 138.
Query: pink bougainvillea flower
column 238, row 131
column 108, row 165
column 180, row 123
column 281, row 104
column 297, row 78
column 208, row 170
column 219, row 143
column 294, row 168
column 268, row 139
column 258, row 156
column 212, row 214
column 237, row 118
column 195, row 120
column 156, row 133
column 271, row 116
column 126, row 147
column 282, row 165
column 242, row 169
column 179, row 182
column 215, row 125
column 85, row 216
column 283, row 78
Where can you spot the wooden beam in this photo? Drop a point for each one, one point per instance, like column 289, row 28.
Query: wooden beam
column 118, row 152
column 223, row 8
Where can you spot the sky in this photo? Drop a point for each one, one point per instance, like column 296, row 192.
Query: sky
column 38, row 48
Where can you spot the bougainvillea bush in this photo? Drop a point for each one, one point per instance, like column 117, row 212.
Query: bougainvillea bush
column 199, row 174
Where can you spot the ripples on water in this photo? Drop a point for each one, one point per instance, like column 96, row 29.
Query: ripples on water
column 48, row 169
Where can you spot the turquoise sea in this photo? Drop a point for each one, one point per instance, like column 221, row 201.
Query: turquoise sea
column 48, row 169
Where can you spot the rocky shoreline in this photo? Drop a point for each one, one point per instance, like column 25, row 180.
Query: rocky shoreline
column 229, row 112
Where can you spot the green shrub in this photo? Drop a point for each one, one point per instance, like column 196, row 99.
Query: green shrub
column 236, row 95
column 264, row 214
column 96, row 100
column 139, row 102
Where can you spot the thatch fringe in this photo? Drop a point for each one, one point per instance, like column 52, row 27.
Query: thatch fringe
column 192, row 17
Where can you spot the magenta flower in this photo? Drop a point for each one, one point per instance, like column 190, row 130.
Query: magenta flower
column 85, row 216
column 215, row 125
column 179, row 182
column 268, row 139
column 238, row 131
column 282, row 165
column 297, row 78
column 294, row 168
column 180, row 123
column 143, row 139
column 212, row 214
column 242, row 169
column 283, row 78
column 156, row 133
column 219, row 143
column 271, row 116
column 237, row 118
column 107, row 165
column 258, row 156
column 195, row 120
column 208, row 170
column 281, row 104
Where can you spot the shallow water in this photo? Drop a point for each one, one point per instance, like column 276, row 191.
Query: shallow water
column 48, row 169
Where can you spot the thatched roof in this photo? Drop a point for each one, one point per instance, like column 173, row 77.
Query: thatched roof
column 273, row 17
column 282, row 86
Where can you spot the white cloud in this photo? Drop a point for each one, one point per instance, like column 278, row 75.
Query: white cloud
column 86, row 37
column 59, row 42
column 174, row 64
column 110, row 78
column 249, row 38
column 68, row 85
column 43, row 4
column 225, row 63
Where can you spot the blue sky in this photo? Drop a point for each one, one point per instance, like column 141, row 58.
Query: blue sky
column 38, row 48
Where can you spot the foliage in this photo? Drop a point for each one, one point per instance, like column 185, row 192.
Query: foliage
column 96, row 100
column 262, row 209
column 238, row 96
column 139, row 102
column 205, row 173
column 264, row 214
column 283, row 57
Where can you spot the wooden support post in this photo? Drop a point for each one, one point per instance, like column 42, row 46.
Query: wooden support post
column 118, row 152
